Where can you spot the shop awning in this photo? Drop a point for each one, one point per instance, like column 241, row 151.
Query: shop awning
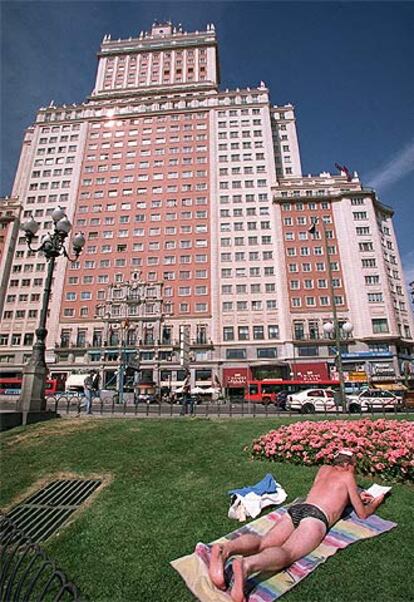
column 390, row 386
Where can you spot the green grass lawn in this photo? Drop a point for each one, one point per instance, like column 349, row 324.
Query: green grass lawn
column 168, row 491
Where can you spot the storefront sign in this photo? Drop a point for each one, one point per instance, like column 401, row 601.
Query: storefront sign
column 365, row 354
column 310, row 371
column 383, row 369
column 236, row 377
column 357, row 377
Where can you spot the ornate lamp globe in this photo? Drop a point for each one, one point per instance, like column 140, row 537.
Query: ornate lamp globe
column 78, row 241
column 64, row 225
column 30, row 227
column 348, row 327
column 328, row 327
column 58, row 214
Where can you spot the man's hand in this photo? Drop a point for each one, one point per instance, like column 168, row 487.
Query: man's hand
column 366, row 498
column 373, row 504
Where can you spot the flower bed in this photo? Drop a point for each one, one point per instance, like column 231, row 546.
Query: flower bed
column 384, row 448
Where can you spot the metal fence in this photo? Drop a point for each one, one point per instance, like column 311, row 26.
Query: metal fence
column 108, row 405
column 26, row 572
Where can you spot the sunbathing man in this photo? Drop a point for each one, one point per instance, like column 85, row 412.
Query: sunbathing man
column 299, row 531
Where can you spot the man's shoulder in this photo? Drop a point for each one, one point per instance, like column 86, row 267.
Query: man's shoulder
column 328, row 471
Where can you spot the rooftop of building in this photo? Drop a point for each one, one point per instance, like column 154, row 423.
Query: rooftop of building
column 161, row 33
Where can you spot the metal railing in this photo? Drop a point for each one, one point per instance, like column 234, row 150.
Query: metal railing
column 108, row 404
column 26, row 572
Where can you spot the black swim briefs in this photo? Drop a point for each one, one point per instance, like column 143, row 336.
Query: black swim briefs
column 297, row 512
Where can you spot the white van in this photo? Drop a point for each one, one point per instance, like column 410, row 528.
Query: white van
column 75, row 383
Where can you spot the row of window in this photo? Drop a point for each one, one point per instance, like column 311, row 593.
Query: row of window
column 322, row 301
column 46, row 173
column 237, row 112
column 183, row 244
column 236, row 123
column 243, row 332
column 308, row 267
column 239, row 226
column 240, row 212
column 236, row 156
column 253, row 270
column 305, row 251
column 118, row 154
column 51, row 198
column 247, row 169
column 308, row 283
column 240, row 241
column 300, row 206
column 52, row 185
column 307, row 220
column 16, row 339
column 26, row 282
column 60, row 128
column 254, row 305
column 96, row 125
column 183, row 308
column 223, row 146
column 238, row 198
column 20, row 314
column 105, row 279
column 154, row 204
column 183, row 291
column 261, row 353
column 23, row 298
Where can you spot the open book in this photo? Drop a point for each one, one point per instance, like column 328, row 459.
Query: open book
column 376, row 490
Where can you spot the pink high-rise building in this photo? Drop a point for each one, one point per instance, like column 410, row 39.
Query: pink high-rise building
column 196, row 216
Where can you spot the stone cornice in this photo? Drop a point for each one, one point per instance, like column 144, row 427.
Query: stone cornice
column 151, row 44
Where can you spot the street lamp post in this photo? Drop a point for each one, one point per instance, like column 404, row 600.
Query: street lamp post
column 32, row 397
column 333, row 328
column 124, row 328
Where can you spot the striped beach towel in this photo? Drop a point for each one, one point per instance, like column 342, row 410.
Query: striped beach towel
column 194, row 567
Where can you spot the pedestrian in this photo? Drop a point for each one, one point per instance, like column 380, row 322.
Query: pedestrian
column 88, row 393
column 95, row 384
column 183, row 402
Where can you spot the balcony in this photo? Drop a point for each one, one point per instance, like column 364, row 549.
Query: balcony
column 201, row 342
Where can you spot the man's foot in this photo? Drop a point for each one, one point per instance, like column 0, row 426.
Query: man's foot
column 216, row 569
column 237, row 591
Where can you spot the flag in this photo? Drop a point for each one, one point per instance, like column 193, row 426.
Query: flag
column 345, row 170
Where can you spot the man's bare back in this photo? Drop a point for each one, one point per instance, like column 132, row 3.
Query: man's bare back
column 330, row 492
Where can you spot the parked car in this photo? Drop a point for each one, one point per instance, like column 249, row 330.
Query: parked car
column 373, row 400
column 145, row 399
column 313, row 400
column 75, row 383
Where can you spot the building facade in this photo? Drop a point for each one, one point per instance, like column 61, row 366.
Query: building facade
column 197, row 215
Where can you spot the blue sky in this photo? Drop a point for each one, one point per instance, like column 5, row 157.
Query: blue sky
column 347, row 67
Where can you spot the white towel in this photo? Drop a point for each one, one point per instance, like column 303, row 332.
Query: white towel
column 251, row 505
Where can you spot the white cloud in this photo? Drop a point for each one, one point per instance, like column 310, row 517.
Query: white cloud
column 399, row 166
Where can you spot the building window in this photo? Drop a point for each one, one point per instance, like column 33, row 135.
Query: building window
column 273, row 331
column 228, row 333
column 243, row 333
column 309, row 350
column 258, row 332
column 267, row 352
column 379, row 325
column 236, row 354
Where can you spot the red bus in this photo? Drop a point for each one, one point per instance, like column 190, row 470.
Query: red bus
column 266, row 391
column 13, row 386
